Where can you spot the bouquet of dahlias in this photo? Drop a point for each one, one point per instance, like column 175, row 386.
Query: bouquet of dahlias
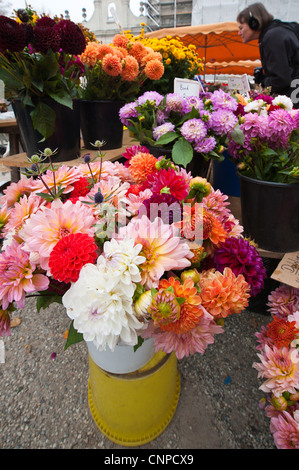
column 38, row 59
column 278, row 346
column 179, row 61
column 185, row 125
column 265, row 143
column 132, row 251
column 116, row 71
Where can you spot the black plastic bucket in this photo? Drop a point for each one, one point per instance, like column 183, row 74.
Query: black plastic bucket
column 100, row 121
column 270, row 214
column 66, row 136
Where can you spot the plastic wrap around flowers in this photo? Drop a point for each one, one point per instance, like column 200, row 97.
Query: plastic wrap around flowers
column 278, row 352
column 135, row 251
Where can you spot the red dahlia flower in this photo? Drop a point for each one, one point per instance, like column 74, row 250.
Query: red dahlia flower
column 70, row 254
column 72, row 39
column 12, row 35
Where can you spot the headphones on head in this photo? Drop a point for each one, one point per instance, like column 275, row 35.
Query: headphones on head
column 253, row 22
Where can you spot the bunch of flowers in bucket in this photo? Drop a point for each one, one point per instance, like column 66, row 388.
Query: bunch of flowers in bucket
column 135, row 251
column 278, row 346
column 179, row 61
column 184, row 125
column 39, row 63
column 116, row 71
column 265, row 144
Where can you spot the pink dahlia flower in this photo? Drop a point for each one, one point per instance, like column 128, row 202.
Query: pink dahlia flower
column 285, row 430
column 17, row 276
column 162, row 247
column 283, row 301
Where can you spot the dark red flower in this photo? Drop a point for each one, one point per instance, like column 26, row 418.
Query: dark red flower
column 167, row 181
column 72, row 38
column 165, row 206
column 46, row 35
column 12, row 35
column 70, row 254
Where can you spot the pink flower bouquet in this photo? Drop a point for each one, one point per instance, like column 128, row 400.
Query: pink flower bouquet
column 132, row 251
column 278, row 346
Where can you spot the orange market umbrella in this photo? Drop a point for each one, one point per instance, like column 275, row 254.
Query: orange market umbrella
column 216, row 42
column 232, row 68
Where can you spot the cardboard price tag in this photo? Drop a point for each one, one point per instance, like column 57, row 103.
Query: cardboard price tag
column 287, row 271
column 186, row 87
column 240, row 83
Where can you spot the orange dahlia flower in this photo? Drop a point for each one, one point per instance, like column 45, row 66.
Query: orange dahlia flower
column 223, row 293
column 112, row 65
column 130, row 69
column 120, row 40
column 141, row 166
column 154, row 69
column 191, row 310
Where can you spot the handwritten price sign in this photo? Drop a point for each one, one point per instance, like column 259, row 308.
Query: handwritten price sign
column 287, row 271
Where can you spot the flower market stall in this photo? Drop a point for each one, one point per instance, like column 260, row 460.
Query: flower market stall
column 144, row 255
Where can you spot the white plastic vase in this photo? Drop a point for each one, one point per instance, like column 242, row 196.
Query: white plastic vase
column 123, row 359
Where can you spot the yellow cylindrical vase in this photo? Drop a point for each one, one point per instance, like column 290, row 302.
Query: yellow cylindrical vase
column 133, row 409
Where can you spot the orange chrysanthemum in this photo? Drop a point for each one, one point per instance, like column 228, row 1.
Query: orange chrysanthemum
column 130, row 69
column 141, row 166
column 223, row 293
column 154, row 69
column 112, row 65
column 217, row 233
column 122, row 50
column 282, row 332
column 120, row 40
column 151, row 55
column 191, row 310
column 95, row 52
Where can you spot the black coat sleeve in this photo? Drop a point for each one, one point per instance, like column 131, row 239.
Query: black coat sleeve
column 277, row 51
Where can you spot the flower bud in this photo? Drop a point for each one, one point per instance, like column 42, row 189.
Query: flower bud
column 279, row 403
column 35, row 159
column 48, row 152
column 294, row 396
column 142, row 303
column 190, row 273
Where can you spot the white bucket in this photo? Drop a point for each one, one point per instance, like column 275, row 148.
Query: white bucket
column 123, row 359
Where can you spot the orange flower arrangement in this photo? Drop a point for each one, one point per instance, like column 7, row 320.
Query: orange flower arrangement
column 117, row 71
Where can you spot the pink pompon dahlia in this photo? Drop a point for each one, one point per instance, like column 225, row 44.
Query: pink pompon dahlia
column 285, row 429
column 162, row 247
column 283, row 301
column 17, row 276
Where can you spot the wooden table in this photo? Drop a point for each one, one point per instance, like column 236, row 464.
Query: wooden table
column 20, row 160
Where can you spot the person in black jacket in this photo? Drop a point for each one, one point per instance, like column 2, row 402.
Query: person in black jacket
column 279, row 50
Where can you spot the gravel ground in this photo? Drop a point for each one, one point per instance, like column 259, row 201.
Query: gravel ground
column 44, row 402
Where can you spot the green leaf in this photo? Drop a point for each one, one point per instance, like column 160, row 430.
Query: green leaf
column 44, row 301
column 62, row 97
column 238, row 136
column 140, row 342
column 43, row 118
column 166, row 138
column 181, row 300
column 73, row 336
column 182, row 152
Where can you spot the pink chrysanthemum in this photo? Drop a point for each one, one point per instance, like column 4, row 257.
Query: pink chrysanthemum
column 17, row 276
column 45, row 228
column 285, row 430
column 283, row 301
column 162, row 247
column 281, row 369
column 185, row 344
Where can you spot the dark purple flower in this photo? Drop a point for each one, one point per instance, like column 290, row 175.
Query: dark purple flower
column 72, row 38
column 242, row 258
column 12, row 35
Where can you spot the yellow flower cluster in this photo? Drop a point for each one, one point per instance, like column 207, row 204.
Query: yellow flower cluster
column 173, row 51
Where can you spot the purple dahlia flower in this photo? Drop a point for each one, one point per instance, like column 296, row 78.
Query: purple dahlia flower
column 242, row 258
column 194, row 130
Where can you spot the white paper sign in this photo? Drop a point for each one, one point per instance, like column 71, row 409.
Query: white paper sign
column 287, row 271
column 186, row 87
column 240, row 83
